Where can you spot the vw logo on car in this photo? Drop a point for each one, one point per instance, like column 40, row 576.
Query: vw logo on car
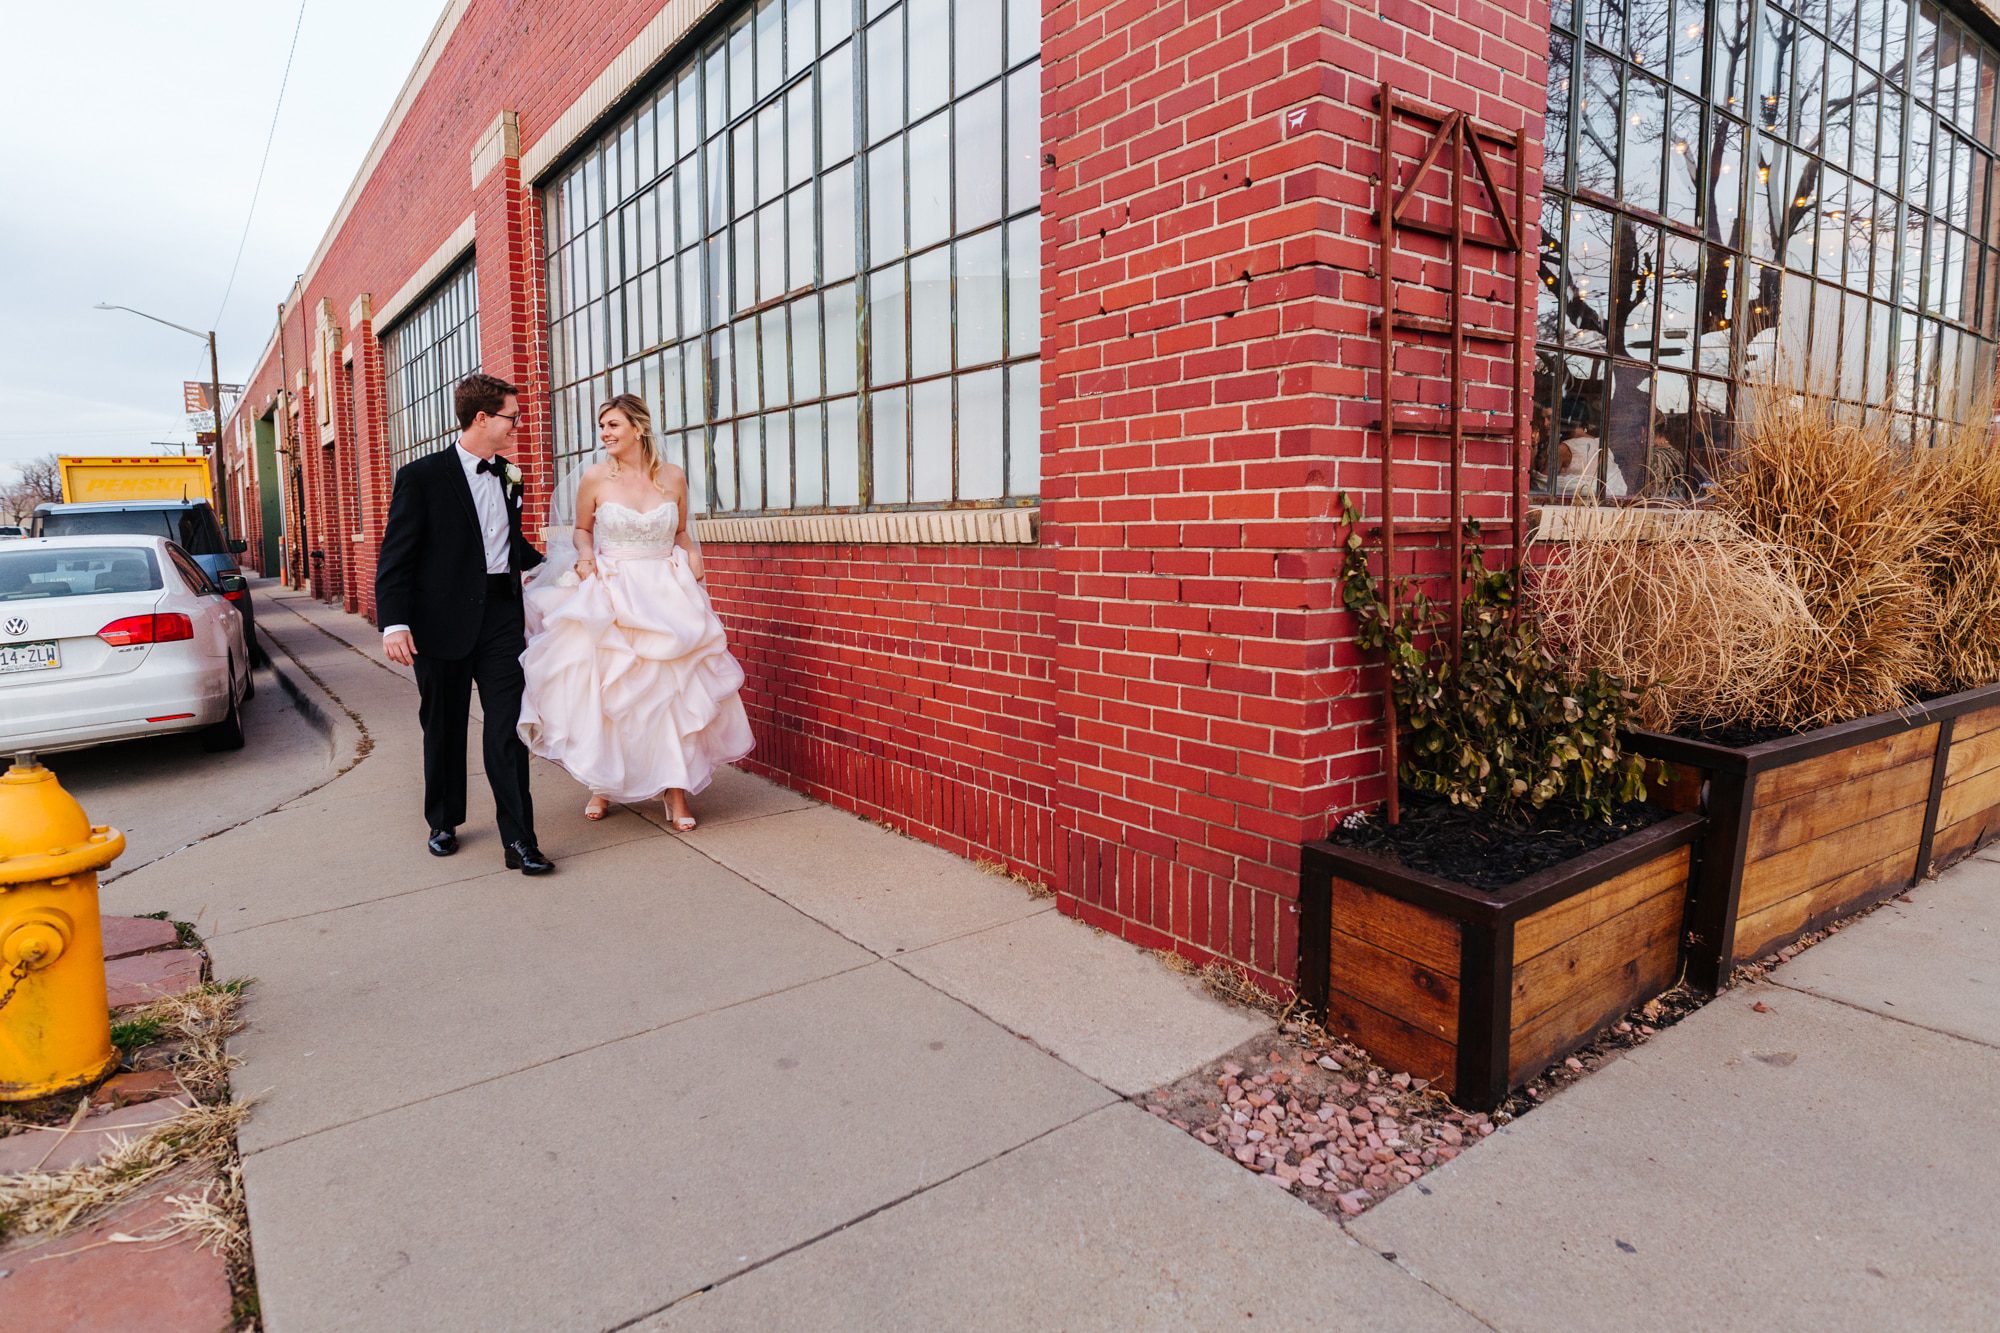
column 16, row 627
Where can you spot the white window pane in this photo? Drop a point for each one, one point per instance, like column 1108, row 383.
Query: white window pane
column 743, row 163
column 808, row 458
column 697, row 472
column 749, row 394
column 836, row 107
column 979, row 298
column 694, row 388
column 930, row 313
column 843, row 452
column 930, row 56
column 770, row 153
column 750, row 463
column 722, row 448
column 837, row 220
column 889, row 436
column 673, row 408
column 930, row 441
column 979, row 169
column 888, row 362
column 806, row 349
column 930, row 182
column 743, row 238
column 885, row 202
column 841, row 338
column 1024, row 30
column 885, row 77
column 799, row 134
column 1024, row 429
column 777, row 357
column 721, row 377
column 976, row 42
column 770, row 47
column 771, row 252
column 980, row 472
column 836, row 21
column 742, row 79
column 802, row 226
column 778, row 461
column 1024, row 139
column 801, row 37
column 1024, row 287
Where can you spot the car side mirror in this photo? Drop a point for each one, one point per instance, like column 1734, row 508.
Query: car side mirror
column 233, row 586
column 237, row 546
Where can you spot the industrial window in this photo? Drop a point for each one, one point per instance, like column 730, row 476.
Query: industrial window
column 813, row 250
column 427, row 353
column 1744, row 193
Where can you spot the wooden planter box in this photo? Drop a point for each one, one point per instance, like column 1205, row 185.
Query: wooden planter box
column 1810, row 828
column 1480, row 990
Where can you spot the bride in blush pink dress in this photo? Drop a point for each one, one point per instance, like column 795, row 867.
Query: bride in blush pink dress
column 630, row 684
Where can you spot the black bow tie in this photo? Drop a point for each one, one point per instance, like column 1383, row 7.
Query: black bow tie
column 493, row 465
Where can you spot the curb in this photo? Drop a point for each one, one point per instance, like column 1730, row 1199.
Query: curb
column 300, row 692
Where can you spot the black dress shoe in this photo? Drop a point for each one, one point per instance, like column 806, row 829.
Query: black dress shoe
column 442, row 842
column 528, row 859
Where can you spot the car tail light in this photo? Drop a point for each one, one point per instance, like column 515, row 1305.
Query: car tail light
column 160, row 627
column 236, row 595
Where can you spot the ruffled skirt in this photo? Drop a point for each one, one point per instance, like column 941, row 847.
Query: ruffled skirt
column 630, row 683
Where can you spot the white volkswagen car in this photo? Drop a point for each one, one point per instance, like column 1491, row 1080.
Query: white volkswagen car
column 108, row 638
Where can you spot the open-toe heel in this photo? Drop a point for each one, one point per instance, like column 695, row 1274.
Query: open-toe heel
column 596, row 809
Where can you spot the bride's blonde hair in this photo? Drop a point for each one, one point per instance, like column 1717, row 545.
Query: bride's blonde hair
column 634, row 409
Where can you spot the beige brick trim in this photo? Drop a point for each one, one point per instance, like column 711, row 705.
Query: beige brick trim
column 674, row 21
column 501, row 141
column 442, row 258
column 361, row 311
column 908, row 527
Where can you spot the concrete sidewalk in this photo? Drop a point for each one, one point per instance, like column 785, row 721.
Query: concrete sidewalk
column 791, row 1069
column 796, row 1071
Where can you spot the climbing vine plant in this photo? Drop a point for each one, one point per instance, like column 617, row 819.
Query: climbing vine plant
column 1510, row 728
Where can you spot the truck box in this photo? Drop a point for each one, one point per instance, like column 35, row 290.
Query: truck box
column 171, row 477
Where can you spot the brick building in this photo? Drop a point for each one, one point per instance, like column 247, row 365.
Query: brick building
column 1019, row 350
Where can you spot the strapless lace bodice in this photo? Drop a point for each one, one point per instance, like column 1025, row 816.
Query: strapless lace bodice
column 623, row 527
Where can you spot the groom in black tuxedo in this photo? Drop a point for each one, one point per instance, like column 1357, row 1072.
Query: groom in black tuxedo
column 448, row 590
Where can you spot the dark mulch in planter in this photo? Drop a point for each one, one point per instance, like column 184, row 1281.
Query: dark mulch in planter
column 1455, row 843
column 1740, row 735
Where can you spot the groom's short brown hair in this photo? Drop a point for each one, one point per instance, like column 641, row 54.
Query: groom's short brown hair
column 480, row 393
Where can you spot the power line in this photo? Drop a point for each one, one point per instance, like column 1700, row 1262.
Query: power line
column 269, row 138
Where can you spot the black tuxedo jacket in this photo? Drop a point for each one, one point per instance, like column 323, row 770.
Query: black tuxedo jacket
column 432, row 571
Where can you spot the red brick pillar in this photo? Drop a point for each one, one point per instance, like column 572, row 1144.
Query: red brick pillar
column 371, row 452
column 1209, row 239
column 508, row 222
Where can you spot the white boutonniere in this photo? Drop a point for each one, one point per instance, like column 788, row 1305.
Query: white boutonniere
column 513, row 475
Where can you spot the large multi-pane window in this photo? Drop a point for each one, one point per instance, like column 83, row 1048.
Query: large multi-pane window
column 812, row 249
column 1753, row 193
column 425, row 356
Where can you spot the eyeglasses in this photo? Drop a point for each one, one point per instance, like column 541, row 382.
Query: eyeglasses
column 509, row 417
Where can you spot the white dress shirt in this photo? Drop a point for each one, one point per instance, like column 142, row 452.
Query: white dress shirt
column 491, row 503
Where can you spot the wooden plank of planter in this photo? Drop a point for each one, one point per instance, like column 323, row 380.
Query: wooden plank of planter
column 1773, row 927
column 1423, row 971
column 1833, row 770
column 1832, row 858
column 1778, row 823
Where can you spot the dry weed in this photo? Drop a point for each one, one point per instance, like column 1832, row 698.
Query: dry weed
column 1836, row 498
column 1958, row 486
column 201, row 1021
column 1704, row 619
column 50, row 1202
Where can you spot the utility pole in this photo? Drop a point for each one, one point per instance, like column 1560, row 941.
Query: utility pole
column 214, row 388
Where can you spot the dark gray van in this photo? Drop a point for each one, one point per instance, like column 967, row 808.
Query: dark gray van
column 190, row 523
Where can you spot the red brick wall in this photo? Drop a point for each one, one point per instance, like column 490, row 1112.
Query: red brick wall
column 908, row 684
column 1210, row 239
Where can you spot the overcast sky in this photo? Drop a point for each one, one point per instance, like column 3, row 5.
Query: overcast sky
column 129, row 140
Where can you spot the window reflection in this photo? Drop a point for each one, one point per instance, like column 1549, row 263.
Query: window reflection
column 1757, row 191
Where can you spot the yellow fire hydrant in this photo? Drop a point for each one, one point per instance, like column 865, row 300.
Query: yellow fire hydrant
column 55, row 1027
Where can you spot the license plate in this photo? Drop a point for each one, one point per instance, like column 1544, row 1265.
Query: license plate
column 28, row 657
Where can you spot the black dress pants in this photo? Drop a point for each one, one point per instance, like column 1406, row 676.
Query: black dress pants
column 444, row 687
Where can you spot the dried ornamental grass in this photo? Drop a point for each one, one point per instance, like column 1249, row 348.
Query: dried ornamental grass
column 1705, row 618
column 1836, row 499
column 1959, row 485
